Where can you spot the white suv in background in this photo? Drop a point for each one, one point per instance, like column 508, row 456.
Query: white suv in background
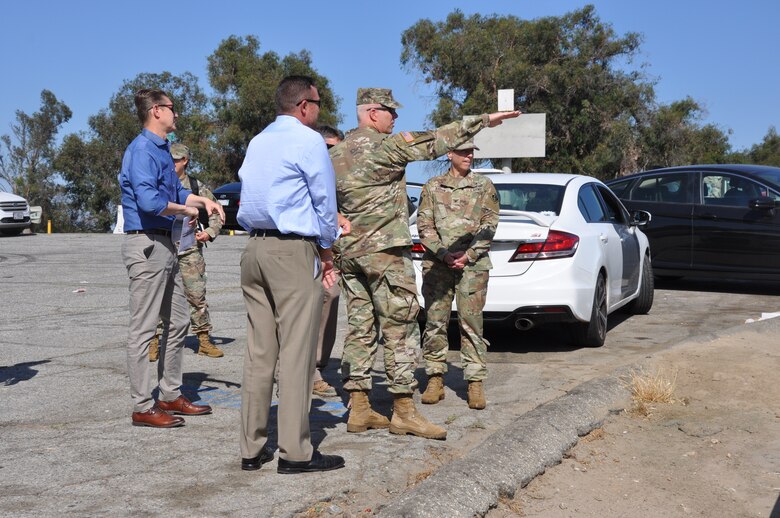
column 14, row 214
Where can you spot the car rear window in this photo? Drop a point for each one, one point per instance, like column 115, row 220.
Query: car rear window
column 530, row 197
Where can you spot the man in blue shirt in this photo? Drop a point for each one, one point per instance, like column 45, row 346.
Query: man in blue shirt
column 288, row 203
column 152, row 197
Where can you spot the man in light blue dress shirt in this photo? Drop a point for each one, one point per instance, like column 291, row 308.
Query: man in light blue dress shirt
column 288, row 204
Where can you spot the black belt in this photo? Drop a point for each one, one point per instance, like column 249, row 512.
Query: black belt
column 154, row 231
column 272, row 232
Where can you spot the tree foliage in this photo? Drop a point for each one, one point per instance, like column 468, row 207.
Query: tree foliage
column 245, row 82
column 27, row 162
column 767, row 152
column 672, row 136
column 601, row 115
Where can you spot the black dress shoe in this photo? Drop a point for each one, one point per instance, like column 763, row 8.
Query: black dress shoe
column 265, row 455
column 318, row 462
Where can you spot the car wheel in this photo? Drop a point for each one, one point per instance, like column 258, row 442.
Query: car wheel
column 12, row 231
column 642, row 304
column 594, row 332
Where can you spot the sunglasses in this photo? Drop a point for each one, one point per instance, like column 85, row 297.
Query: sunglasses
column 169, row 106
column 386, row 109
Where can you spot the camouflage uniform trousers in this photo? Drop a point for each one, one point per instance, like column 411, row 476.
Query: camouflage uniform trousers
column 193, row 275
column 469, row 287
column 380, row 287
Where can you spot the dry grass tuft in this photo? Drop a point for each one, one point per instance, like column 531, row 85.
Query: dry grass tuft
column 416, row 478
column 594, row 435
column 647, row 389
column 438, row 457
column 512, row 504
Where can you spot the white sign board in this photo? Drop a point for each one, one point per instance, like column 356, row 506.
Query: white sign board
column 522, row 137
column 506, row 100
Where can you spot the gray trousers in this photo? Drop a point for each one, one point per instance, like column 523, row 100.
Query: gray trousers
column 156, row 292
column 283, row 299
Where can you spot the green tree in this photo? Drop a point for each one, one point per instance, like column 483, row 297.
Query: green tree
column 569, row 67
column 245, row 82
column 673, row 136
column 601, row 113
column 767, row 152
column 90, row 162
column 27, row 162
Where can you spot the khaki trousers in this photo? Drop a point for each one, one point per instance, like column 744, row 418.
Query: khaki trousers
column 156, row 292
column 283, row 296
column 328, row 326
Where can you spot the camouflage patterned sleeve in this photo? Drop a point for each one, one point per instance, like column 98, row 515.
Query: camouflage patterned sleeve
column 487, row 223
column 411, row 146
column 215, row 225
column 426, row 226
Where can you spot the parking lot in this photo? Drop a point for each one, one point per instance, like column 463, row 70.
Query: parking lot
column 65, row 407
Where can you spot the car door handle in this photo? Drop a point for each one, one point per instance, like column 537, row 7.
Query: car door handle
column 708, row 215
column 604, row 239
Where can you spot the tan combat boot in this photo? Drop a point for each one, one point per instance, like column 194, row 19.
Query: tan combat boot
column 406, row 420
column 476, row 395
column 154, row 349
column 207, row 348
column 362, row 416
column 434, row 392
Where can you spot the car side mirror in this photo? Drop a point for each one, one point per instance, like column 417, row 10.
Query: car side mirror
column 640, row 218
column 763, row 204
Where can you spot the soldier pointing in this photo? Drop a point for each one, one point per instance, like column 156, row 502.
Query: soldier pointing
column 375, row 258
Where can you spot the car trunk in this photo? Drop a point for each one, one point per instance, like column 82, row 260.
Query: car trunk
column 514, row 228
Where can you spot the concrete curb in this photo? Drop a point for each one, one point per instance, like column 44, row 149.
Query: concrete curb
column 511, row 458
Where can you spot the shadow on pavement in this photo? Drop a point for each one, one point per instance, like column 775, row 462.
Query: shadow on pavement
column 719, row 285
column 14, row 374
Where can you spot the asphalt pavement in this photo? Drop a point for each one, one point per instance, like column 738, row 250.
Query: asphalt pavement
column 68, row 447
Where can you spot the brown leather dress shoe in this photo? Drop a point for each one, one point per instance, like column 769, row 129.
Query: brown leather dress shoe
column 182, row 406
column 156, row 418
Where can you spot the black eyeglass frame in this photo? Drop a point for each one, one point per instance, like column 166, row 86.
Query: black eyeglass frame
column 169, row 106
column 385, row 109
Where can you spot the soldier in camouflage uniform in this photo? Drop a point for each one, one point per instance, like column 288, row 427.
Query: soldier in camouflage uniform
column 193, row 266
column 456, row 220
column 375, row 258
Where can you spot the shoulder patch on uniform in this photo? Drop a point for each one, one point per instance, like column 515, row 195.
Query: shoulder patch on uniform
column 407, row 136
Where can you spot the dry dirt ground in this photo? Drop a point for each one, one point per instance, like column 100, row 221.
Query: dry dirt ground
column 715, row 452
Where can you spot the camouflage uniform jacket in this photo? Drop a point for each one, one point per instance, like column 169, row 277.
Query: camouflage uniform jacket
column 215, row 225
column 371, row 183
column 458, row 214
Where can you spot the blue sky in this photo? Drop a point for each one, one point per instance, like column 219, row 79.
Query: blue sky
column 723, row 54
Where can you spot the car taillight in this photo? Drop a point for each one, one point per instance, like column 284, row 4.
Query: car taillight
column 558, row 244
column 417, row 251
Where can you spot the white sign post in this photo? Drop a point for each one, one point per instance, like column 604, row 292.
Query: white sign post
column 523, row 137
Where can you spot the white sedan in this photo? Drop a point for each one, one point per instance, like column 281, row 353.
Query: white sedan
column 565, row 251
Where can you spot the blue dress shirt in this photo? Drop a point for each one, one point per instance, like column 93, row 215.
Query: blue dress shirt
column 148, row 182
column 288, row 182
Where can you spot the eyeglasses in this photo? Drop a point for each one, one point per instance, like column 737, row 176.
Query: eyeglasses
column 169, row 106
column 313, row 101
column 386, row 109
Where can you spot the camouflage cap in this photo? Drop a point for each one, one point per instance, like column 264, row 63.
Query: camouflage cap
column 469, row 144
column 383, row 96
column 179, row 151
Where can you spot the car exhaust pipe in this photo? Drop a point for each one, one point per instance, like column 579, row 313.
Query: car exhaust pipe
column 524, row 324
